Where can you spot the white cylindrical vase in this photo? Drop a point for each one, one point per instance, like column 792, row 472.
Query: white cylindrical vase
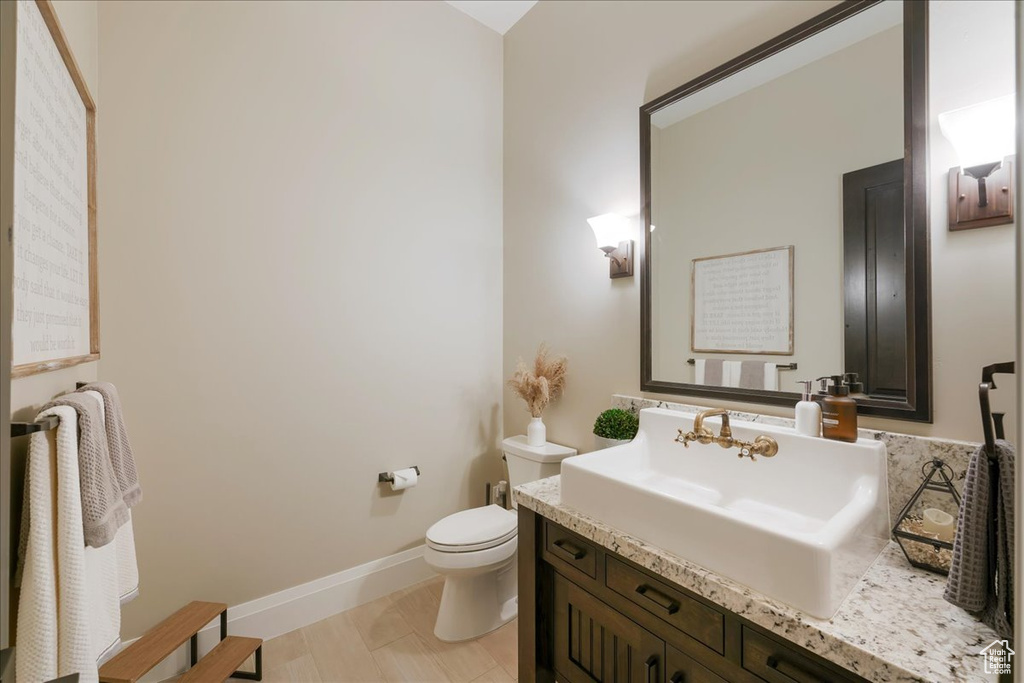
column 602, row 442
column 536, row 433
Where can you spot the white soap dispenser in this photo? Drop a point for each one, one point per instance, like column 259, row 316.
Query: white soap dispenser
column 808, row 412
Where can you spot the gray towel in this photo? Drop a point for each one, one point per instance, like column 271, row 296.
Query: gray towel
column 103, row 506
column 713, row 372
column 751, row 374
column 121, row 458
column 975, row 583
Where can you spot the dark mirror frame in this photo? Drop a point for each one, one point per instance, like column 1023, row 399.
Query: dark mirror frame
column 918, row 404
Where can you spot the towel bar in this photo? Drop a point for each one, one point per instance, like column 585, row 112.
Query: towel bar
column 778, row 366
column 25, row 428
column 44, row 425
column 988, row 418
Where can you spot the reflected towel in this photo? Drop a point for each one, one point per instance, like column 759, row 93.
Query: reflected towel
column 709, row 372
column 732, row 371
column 977, row 583
column 754, row 374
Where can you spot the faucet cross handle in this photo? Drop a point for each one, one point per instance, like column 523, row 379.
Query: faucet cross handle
column 685, row 439
column 765, row 446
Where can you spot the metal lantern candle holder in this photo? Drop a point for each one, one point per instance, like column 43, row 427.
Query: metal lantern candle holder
column 922, row 548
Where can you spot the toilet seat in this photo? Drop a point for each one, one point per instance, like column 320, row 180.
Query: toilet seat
column 472, row 530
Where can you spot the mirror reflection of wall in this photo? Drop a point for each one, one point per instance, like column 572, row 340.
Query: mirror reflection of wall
column 974, row 311
column 757, row 161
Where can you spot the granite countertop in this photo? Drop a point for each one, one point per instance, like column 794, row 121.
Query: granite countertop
column 894, row 627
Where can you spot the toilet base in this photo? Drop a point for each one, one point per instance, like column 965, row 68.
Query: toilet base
column 472, row 606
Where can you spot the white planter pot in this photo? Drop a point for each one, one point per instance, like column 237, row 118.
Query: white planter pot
column 536, row 433
column 601, row 442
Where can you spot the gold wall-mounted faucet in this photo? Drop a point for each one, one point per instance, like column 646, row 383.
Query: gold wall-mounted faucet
column 764, row 446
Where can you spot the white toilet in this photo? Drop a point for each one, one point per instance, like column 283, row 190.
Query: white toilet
column 475, row 550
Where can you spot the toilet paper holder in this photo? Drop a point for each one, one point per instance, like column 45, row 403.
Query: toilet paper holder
column 388, row 477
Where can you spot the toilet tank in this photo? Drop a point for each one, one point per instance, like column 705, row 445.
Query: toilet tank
column 530, row 463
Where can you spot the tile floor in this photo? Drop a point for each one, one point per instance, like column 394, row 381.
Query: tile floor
column 390, row 639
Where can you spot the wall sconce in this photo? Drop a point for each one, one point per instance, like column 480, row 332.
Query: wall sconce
column 612, row 233
column 981, row 188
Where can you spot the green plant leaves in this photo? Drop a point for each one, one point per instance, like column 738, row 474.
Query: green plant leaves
column 616, row 423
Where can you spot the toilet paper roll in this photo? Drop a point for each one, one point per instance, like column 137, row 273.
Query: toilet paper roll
column 404, row 479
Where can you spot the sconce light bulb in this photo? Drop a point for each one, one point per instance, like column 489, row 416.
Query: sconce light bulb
column 609, row 230
column 982, row 133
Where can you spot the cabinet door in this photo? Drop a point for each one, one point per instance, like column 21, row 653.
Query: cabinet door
column 595, row 643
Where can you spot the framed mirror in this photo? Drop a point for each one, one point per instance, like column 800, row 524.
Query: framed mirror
column 785, row 207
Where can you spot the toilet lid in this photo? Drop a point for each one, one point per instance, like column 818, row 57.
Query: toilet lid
column 475, row 529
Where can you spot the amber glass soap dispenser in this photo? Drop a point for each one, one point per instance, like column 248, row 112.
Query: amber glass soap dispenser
column 838, row 412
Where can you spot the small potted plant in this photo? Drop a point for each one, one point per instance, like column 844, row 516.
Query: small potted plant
column 615, row 427
column 538, row 387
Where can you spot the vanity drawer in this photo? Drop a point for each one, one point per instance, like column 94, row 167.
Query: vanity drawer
column 681, row 668
column 690, row 616
column 776, row 663
column 571, row 549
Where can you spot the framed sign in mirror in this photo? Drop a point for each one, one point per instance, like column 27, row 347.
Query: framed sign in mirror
column 815, row 140
column 743, row 303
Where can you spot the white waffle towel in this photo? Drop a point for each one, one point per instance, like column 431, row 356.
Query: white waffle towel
column 69, row 617
column 53, row 612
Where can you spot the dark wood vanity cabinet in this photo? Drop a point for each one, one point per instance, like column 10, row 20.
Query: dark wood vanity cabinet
column 587, row 614
column 593, row 642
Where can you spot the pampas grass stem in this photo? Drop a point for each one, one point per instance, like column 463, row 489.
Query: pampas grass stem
column 541, row 384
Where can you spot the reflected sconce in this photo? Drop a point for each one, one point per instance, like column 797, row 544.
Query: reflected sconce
column 612, row 233
column 981, row 188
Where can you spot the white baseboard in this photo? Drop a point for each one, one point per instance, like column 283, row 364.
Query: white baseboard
column 292, row 608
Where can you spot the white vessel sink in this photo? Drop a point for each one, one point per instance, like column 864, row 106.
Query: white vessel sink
column 801, row 527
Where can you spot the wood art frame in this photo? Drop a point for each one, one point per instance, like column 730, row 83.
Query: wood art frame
column 49, row 15
column 693, row 303
column 918, row 403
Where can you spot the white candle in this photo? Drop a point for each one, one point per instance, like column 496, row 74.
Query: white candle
column 940, row 523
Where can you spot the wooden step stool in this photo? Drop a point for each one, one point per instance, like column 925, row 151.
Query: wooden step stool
column 219, row 664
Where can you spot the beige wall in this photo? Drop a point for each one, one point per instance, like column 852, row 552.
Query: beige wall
column 78, row 18
column 301, row 281
column 575, row 77
column 973, row 271
column 771, row 180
